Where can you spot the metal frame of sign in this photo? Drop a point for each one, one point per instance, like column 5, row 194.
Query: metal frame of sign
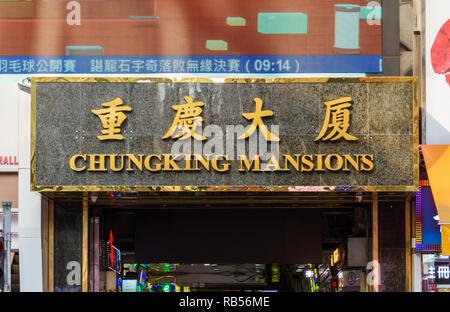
column 228, row 188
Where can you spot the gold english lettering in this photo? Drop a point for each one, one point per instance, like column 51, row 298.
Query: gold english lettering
column 112, row 162
column 203, row 161
column 137, row 162
column 97, row 162
column 290, row 159
column 319, row 166
column 73, row 160
column 367, row 160
column 273, row 164
column 253, row 165
column 169, row 163
column 338, row 165
column 307, row 160
column 225, row 165
column 157, row 165
column 353, row 162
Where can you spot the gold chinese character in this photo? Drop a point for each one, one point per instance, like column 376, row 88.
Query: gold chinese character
column 257, row 122
column 186, row 120
column 337, row 117
column 112, row 118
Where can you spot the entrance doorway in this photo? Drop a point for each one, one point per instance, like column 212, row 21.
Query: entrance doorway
column 251, row 242
column 204, row 241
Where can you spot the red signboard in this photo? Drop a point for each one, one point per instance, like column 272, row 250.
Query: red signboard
column 9, row 160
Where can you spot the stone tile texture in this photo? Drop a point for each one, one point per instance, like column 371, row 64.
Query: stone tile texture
column 381, row 117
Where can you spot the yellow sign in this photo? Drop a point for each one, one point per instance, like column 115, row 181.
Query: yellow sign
column 186, row 120
column 112, row 118
column 337, row 117
column 257, row 122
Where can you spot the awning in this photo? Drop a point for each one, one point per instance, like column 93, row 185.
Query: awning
column 437, row 162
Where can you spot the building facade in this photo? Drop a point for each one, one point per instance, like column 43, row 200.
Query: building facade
column 344, row 206
column 102, row 204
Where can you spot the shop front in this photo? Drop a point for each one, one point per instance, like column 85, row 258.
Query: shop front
column 229, row 184
column 432, row 221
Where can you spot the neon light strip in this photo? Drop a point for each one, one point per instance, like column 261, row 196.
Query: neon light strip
column 419, row 215
column 419, row 228
column 430, row 247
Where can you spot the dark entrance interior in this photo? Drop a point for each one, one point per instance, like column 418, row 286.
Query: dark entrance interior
column 229, row 241
column 235, row 241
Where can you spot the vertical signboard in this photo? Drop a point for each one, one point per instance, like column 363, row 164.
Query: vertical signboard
column 442, row 273
column 437, row 72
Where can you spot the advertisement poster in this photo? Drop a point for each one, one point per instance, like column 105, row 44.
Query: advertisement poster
column 437, row 72
column 194, row 37
column 431, row 230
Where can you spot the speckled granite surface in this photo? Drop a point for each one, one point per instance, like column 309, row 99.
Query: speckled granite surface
column 381, row 119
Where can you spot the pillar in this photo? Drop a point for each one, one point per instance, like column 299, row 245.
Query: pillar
column 31, row 272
